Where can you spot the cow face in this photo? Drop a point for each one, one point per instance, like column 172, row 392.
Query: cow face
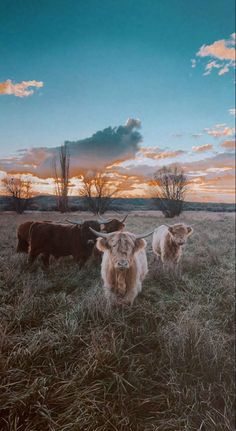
column 122, row 248
column 179, row 233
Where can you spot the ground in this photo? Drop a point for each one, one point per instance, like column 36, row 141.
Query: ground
column 70, row 363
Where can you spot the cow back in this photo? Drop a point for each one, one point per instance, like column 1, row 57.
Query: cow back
column 57, row 240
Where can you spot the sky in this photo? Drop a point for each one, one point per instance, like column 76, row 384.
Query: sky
column 130, row 85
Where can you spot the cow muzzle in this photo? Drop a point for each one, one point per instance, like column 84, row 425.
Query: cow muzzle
column 122, row 264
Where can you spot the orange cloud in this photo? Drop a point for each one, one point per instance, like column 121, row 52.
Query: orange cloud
column 156, row 153
column 19, row 90
column 220, row 130
column 228, row 145
column 223, row 50
column 220, row 49
column 202, row 148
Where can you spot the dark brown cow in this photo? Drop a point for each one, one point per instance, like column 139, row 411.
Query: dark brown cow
column 108, row 226
column 23, row 231
column 23, row 236
column 59, row 240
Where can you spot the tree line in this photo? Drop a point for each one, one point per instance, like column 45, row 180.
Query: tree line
column 168, row 185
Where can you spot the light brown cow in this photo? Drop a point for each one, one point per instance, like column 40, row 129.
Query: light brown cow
column 168, row 242
column 124, row 264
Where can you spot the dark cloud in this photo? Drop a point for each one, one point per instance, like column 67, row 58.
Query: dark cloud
column 98, row 151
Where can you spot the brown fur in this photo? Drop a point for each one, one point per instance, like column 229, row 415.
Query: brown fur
column 59, row 240
column 23, row 237
column 23, row 234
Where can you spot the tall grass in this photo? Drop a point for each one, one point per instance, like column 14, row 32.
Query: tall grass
column 70, row 362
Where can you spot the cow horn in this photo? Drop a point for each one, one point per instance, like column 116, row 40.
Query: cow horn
column 125, row 217
column 144, row 235
column 103, row 220
column 75, row 222
column 101, row 234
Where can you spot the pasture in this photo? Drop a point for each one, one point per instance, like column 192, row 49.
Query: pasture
column 69, row 362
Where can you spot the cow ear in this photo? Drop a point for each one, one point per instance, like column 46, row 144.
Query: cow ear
column 171, row 229
column 190, row 230
column 102, row 244
column 139, row 244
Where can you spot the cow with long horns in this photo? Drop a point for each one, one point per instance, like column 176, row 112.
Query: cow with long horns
column 124, row 264
column 59, row 240
column 106, row 225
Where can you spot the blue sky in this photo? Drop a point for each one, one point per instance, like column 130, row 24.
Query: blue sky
column 102, row 62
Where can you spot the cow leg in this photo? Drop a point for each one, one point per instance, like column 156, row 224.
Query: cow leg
column 109, row 295
column 80, row 260
column 22, row 246
column 81, row 263
column 166, row 266
column 178, row 269
column 45, row 259
column 158, row 260
column 130, row 296
column 32, row 257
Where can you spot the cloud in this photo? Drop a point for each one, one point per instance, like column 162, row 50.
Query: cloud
column 19, row 90
column 228, row 145
column 156, row 153
column 133, row 123
column 202, row 148
column 222, row 50
column 95, row 153
column 193, row 63
column 211, row 65
column 117, row 152
column 224, row 70
column 213, row 177
column 220, row 130
column 196, row 135
column 232, row 111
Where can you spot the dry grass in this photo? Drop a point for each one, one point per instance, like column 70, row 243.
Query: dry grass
column 69, row 362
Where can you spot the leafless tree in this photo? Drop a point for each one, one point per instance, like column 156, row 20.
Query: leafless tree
column 61, row 178
column 169, row 187
column 19, row 190
column 98, row 192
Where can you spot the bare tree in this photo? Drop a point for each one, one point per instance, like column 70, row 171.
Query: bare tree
column 61, row 178
column 98, row 192
column 170, row 186
column 20, row 192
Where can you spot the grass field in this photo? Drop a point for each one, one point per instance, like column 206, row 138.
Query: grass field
column 69, row 362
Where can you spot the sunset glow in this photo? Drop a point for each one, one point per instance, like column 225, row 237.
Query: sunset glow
column 129, row 93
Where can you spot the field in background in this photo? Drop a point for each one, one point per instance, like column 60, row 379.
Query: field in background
column 70, row 363
column 76, row 203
